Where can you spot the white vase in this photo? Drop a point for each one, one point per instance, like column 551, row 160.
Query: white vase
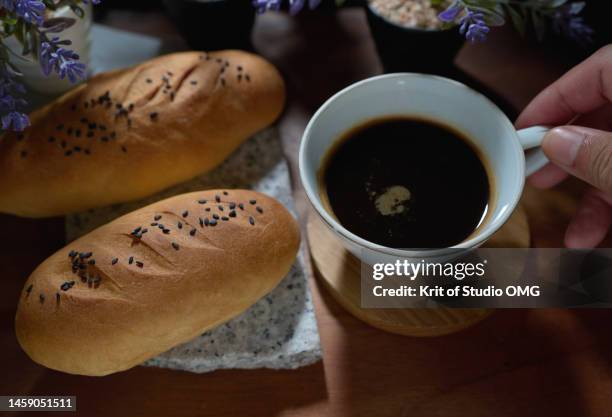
column 79, row 34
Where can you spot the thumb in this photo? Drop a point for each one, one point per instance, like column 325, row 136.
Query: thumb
column 583, row 152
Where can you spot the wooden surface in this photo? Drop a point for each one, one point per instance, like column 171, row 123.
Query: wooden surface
column 340, row 273
column 515, row 363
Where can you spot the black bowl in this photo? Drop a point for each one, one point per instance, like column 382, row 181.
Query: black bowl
column 403, row 49
column 214, row 24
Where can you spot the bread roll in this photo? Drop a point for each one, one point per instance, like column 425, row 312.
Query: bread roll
column 127, row 134
column 154, row 278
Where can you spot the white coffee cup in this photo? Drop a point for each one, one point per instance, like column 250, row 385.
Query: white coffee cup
column 432, row 98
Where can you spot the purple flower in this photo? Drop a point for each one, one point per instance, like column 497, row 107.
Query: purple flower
column 263, row 6
column 61, row 60
column 295, row 6
column 473, row 26
column 31, row 11
column 12, row 118
column 450, row 14
column 567, row 22
column 15, row 120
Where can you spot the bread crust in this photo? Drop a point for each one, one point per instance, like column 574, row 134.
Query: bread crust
column 127, row 134
column 139, row 293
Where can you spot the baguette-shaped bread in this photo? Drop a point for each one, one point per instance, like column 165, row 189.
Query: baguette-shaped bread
column 127, row 134
column 154, row 278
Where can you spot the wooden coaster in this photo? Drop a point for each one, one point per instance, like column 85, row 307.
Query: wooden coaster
column 340, row 272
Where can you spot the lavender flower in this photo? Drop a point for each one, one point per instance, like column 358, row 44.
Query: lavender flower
column 31, row 11
column 566, row 21
column 12, row 118
column 295, row 6
column 61, row 60
column 452, row 12
column 473, row 26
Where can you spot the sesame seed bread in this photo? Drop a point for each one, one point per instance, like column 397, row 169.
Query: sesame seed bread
column 154, row 278
column 127, row 134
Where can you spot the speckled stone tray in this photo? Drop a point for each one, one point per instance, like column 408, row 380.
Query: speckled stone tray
column 280, row 330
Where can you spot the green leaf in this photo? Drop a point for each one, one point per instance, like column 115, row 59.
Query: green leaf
column 517, row 20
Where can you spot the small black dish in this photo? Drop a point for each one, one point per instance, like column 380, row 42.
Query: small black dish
column 214, row 24
column 403, row 49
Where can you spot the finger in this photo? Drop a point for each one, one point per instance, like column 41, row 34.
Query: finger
column 599, row 119
column 547, row 177
column 591, row 222
column 583, row 152
column 583, row 89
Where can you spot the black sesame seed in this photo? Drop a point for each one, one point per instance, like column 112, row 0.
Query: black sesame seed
column 77, row 133
column 130, row 260
column 252, row 221
column 224, row 218
column 239, row 68
column 145, row 230
column 175, row 245
column 180, row 225
column 232, row 213
column 161, row 226
column 24, row 154
column 124, row 149
column 202, row 201
column 154, row 224
column 172, row 96
column 241, row 206
column 131, row 107
column 247, row 77
column 239, row 77
column 207, row 209
column 225, row 193
column 102, row 128
column 42, row 298
column 77, row 149
column 73, row 253
column 67, row 153
column 185, row 213
column 166, row 231
column 135, row 231
column 84, row 120
column 119, row 105
column 90, row 134
column 149, row 81
column 139, row 264
column 194, row 82
column 253, row 202
column 221, row 208
column 259, row 209
column 57, row 297
column 63, row 144
column 29, row 289
column 222, row 81
column 206, row 221
column 113, row 135
column 91, row 262
column 114, row 261
column 92, row 126
column 153, row 116
column 217, row 198
column 83, row 278
column 201, row 221
column 232, row 206
column 67, row 285
column 192, row 232
column 51, row 139
column 215, row 216
column 87, row 152
column 85, row 255
column 213, row 222
column 104, row 138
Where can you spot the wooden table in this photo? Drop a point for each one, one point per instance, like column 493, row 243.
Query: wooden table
column 516, row 363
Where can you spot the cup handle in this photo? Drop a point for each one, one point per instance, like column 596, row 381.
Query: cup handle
column 531, row 139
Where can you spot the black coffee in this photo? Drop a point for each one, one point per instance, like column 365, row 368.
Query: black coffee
column 406, row 183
